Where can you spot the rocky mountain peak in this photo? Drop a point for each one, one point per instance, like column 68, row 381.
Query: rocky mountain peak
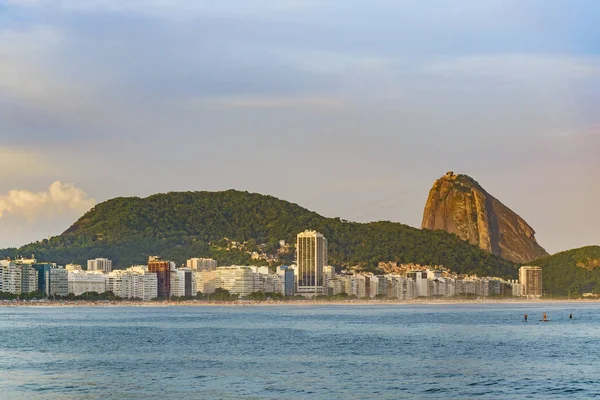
column 459, row 205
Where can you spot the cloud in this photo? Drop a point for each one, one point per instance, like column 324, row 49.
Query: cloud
column 590, row 131
column 58, row 200
column 272, row 102
column 519, row 66
column 23, row 2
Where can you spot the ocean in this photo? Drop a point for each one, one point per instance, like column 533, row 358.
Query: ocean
column 378, row 351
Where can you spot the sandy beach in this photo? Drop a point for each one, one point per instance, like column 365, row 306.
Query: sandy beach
column 298, row 303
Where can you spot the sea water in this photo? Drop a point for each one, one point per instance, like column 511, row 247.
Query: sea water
column 301, row 352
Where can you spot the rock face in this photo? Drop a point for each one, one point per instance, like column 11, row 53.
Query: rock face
column 459, row 205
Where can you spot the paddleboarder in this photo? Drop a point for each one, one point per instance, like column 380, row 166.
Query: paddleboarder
column 545, row 318
column 525, row 317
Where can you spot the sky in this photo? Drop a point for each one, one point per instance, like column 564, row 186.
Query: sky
column 348, row 108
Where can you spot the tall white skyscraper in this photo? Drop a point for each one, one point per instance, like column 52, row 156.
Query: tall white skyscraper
column 311, row 254
column 100, row 264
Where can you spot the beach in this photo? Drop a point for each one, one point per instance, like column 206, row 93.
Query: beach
column 299, row 303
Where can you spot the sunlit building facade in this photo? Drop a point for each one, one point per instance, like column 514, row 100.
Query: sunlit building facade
column 311, row 255
column 162, row 269
column 530, row 279
column 100, row 264
column 201, row 264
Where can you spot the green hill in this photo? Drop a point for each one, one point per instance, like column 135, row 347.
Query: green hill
column 181, row 225
column 571, row 272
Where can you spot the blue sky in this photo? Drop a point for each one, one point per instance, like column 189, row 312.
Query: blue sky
column 348, row 108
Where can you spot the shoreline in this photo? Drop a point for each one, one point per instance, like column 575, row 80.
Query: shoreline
column 297, row 303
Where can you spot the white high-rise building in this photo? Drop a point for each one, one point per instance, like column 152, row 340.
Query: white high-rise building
column 81, row 282
column 149, row 286
column 201, row 264
column 134, row 282
column 530, row 279
column 100, row 264
column 237, row 280
column 205, row 281
column 29, row 278
column 139, row 286
column 17, row 278
column 358, row 286
column 272, row 283
column 11, row 277
column 177, row 283
column 420, row 279
column 311, row 255
column 59, row 282
column 114, row 282
column 371, row 286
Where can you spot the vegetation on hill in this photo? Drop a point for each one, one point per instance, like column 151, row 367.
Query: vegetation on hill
column 181, row 225
column 572, row 272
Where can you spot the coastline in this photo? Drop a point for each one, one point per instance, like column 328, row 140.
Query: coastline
column 299, row 303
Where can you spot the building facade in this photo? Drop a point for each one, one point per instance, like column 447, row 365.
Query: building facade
column 530, row 279
column 162, row 269
column 135, row 285
column 59, row 282
column 201, row 264
column 11, row 277
column 81, row 282
column 100, row 264
column 205, row 281
column 43, row 278
column 236, row 280
column 311, row 255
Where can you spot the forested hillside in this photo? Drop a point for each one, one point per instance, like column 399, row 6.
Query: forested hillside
column 181, row 225
column 571, row 272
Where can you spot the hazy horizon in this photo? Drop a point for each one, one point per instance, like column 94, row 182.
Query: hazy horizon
column 348, row 109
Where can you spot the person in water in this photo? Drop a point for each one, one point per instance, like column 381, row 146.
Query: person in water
column 545, row 318
column 525, row 317
column 570, row 316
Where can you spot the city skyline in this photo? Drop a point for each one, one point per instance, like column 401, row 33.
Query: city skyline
column 162, row 280
column 394, row 94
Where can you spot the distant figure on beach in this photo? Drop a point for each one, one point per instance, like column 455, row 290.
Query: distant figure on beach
column 525, row 317
column 570, row 316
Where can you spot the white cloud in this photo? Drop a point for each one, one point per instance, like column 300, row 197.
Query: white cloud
column 272, row 102
column 58, row 200
column 23, row 2
column 519, row 66
column 185, row 9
